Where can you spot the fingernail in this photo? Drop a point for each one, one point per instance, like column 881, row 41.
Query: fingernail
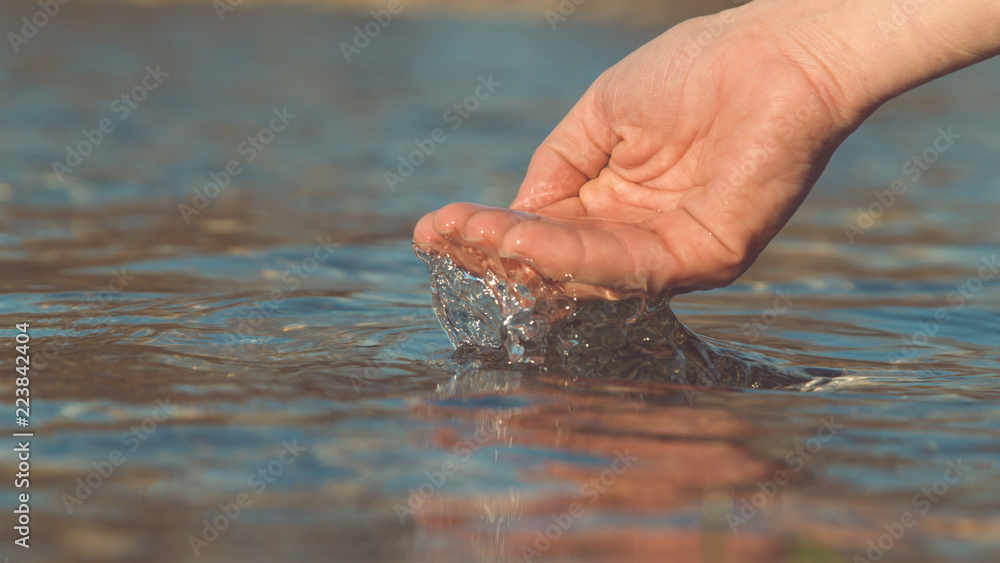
column 511, row 255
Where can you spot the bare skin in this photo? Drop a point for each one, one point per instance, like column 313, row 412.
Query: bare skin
column 681, row 162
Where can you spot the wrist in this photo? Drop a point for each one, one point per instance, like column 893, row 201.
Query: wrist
column 864, row 52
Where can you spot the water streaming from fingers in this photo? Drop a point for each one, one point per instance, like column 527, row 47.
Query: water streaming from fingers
column 540, row 327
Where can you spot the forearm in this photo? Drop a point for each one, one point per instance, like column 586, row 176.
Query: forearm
column 874, row 50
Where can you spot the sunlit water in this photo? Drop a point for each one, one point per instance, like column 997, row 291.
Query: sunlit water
column 277, row 353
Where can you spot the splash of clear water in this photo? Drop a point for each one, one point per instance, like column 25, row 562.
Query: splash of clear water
column 633, row 338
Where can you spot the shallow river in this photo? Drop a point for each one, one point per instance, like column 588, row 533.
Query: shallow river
column 250, row 370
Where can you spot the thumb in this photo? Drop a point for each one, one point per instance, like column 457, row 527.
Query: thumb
column 576, row 151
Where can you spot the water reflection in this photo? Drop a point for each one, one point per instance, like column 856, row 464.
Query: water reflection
column 632, row 461
column 227, row 318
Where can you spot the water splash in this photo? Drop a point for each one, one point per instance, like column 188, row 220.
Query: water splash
column 633, row 337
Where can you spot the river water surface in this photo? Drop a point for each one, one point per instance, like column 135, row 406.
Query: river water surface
column 251, row 370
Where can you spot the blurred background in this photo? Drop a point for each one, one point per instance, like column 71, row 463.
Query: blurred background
column 234, row 358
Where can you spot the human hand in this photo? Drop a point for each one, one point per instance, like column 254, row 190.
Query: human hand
column 681, row 162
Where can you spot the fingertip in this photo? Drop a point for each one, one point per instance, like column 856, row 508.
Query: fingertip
column 527, row 241
column 423, row 232
column 445, row 221
column 512, row 244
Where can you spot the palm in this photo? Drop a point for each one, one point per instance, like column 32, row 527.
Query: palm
column 670, row 174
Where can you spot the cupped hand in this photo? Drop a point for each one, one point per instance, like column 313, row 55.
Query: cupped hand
column 675, row 168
